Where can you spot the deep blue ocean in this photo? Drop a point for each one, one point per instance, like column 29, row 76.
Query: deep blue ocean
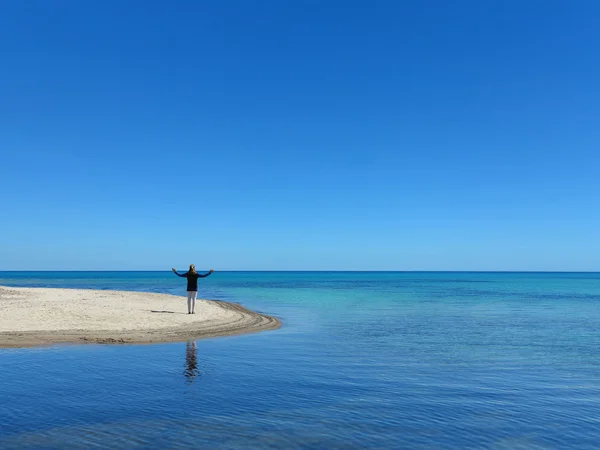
column 363, row 360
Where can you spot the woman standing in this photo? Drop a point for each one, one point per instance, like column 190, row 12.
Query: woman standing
column 192, row 285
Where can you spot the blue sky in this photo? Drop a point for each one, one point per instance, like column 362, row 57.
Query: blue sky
column 308, row 135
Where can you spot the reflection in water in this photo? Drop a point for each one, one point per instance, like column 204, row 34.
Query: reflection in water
column 191, row 361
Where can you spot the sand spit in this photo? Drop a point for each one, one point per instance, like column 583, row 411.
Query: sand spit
column 40, row 316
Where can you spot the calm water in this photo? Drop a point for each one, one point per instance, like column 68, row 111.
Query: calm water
column 378, row 360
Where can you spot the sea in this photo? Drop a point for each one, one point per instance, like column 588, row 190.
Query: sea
column 387, row 360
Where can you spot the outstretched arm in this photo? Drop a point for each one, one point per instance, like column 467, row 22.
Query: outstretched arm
column 178, row 274
column 206, row 274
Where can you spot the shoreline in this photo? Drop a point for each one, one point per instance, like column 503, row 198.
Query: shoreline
column 31, row 317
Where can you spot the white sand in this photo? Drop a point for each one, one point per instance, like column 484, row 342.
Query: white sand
column 40, row 316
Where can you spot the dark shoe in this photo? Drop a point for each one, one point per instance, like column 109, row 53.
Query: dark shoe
column 193, row 312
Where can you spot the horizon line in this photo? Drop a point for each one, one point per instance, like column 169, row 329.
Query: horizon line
column 324, row 271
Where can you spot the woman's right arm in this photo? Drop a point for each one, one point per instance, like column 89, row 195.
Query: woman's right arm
column 179, row 275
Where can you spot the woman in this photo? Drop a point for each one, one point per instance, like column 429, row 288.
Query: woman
column 192, row 285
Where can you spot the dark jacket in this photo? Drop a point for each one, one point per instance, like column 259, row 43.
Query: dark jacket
column 192, row 279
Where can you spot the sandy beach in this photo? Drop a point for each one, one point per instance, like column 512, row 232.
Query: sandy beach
column 42, row 316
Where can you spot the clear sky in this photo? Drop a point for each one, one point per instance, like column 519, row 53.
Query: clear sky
column 324, row 135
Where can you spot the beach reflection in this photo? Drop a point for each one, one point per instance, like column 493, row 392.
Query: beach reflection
column 191, row 361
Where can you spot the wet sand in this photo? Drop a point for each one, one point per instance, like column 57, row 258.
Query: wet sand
column 42, row 316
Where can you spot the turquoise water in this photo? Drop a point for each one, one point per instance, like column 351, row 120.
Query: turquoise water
column 378, row 360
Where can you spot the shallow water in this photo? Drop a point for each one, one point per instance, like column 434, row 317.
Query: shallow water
column 388, row 360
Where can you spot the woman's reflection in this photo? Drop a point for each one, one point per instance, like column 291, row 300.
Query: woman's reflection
column 191, row 361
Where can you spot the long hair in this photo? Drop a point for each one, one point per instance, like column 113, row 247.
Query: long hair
column 192, row 268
